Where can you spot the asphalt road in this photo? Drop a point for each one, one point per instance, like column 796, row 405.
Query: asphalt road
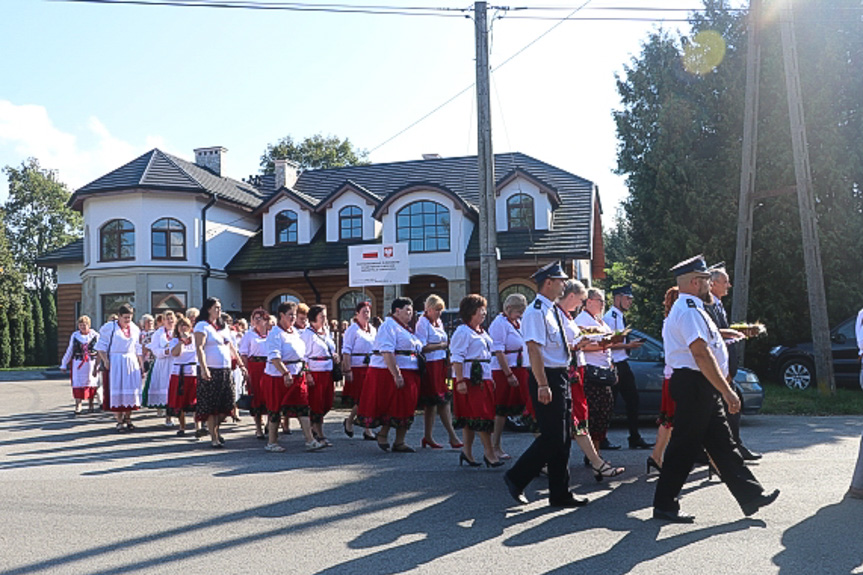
column 79, row 498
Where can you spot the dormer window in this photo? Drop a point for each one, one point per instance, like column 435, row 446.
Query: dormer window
column 286, row 227
column 425, row 225
column 350, row 223
column 519, row 212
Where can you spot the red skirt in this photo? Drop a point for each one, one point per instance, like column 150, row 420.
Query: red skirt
column 433, row 387
column 579, row 402
column 84, row 392
column 256, row 372
column 475, row 409
column 185, row 400
column 292, row 401
column 508, row 399
column 529, row 411
column 353, row 389
column 667, row 408
column 382, row 403
column 321, row 395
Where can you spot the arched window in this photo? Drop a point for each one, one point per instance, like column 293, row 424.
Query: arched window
column 350, row 223
column 169, row 239
column 274, row 303
column 348, row 304
column 425, row 225
column 519, row 212
column 117, row 241
column 528, row 292
column 286, row 227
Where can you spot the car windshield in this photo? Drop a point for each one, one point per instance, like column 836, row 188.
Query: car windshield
column 650, row 351
column 847, row 329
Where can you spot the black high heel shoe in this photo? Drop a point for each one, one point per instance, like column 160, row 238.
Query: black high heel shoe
column 462, row 458
column 652, row 463
column 606, row 470
column 490, row 464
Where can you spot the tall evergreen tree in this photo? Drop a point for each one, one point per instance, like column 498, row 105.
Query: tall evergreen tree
column 29, row 336
column 49, row 313
column 40, row 343
column 5, row 342
column 16, row 332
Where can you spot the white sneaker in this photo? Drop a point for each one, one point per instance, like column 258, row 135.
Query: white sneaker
column 274, row 448
column 169, row 424
column 314, row 445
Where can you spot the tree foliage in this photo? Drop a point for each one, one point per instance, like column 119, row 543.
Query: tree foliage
column 49, row 314
column 314, row 153
column 680, row 136
column 39, row 336
column 5, row 342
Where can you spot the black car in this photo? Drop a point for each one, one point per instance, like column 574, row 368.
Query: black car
column 795, row 365
column 648, row 364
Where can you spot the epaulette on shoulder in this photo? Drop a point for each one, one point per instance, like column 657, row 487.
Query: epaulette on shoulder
column 614, row 314
column 691, row 303
column 537, row 304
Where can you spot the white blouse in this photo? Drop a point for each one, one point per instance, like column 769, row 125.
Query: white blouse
column 507, row 338
column 468, row 345
column 595, row 358
column 253, row 344
column 113, row 341
column 187, row 360
column 217, row 349
column 431, row 333
column 320, row 349
column 158, row 345
column 573, row 337
column 82, row 339
column 393, row 337
column 359, row 343
column 287, row 346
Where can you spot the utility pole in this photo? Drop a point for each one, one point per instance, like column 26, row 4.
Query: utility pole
column 485, row 165
column 806, row 207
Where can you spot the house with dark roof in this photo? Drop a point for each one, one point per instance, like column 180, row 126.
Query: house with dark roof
column 164, row 233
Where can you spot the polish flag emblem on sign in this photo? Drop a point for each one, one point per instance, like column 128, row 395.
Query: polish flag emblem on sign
column 370, row 255
column 388, row 252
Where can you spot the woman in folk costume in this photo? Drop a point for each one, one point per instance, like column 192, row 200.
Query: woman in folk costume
column 80, row 359
column 120, row 354
column 434, row 393
column 182, row 391
column 159, row 377
column 473, row 397
column 253, row 351
column 509, row 367
column 357, row 346
column 391, row 388
column 321, row 358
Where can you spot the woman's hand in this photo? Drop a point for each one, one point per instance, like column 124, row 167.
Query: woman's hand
column 310, row 381
column 289, row 379
column 461, row 387
column 512, row 379
column 399, row 380
column 205, row 373
column 543, row 394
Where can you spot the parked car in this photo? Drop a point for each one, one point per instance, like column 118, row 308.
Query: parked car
column 795, row 365
column 648, row 364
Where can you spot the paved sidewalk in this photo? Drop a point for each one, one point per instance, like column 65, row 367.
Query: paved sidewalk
column 81, row 498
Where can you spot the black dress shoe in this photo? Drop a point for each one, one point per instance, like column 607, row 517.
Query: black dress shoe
column 606, row 444
column 748, row 455
column 569, row 503
column 514, row 491
column 639, row 443
column 750, row 507
column 672, row 516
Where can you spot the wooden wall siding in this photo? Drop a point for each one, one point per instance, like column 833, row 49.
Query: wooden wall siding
column 67, row 296
column 506, row 274
column 259, row 292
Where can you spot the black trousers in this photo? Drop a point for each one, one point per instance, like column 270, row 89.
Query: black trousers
column 700, row 423
column 552, row 446
column 626, row 388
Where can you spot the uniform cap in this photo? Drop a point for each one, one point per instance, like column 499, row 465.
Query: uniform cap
column 622, row 290
column 551, row 271
column 716, row 266
column 695, row 265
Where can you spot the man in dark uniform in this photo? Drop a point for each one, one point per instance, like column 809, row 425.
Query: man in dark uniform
column 696, row 352
column 720, row 283
column 622, row 300
column 549, row 353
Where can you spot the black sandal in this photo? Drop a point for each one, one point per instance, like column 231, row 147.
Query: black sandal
column 385, row 446
column 606, row 470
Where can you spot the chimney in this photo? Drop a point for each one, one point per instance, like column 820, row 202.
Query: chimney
column 210, row 158
column 287, row 173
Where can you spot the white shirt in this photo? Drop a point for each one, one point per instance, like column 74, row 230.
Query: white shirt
column 287, row 346
column 319, row 347
column 469, row 345
column 858, row 331
column 359, row 343
column 601, row 358
column 542, row 323
column 158, row 344
column 429, row 333
column 614, row 318
column 687, row 321
column 217, row 349
column 393, row 337
column 573, row 336
column 253, row 344
column 187, row 356
column 113, row 341
column 507, row 339
column 82, row 339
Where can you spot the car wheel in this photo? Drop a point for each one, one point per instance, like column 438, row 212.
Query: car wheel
column 797, row 374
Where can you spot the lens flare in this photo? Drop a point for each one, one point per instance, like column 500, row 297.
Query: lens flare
column 704, row 52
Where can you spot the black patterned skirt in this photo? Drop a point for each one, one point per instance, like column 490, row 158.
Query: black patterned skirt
column 216, row 395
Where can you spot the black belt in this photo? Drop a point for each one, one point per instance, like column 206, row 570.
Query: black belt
column 397, row 352
column 478, row 360
column 361, row 354
column 258, row 358
column 320, row 358
column 181, row 377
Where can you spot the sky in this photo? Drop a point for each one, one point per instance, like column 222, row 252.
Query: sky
column 86, row 88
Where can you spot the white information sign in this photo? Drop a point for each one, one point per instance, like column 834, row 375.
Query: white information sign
column 378, row 265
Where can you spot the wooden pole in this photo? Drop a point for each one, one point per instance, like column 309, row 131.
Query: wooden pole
column 485, row 161
column 806, row 207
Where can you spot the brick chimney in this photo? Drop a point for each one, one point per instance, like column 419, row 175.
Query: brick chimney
column 287, row 173
column 210, row 158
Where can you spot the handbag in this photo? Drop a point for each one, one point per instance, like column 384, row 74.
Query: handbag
column 337, row 371
column 245, row 402
column 600, row 376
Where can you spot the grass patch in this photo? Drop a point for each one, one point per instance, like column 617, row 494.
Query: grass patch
column 27, row 368
column 779, row 400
